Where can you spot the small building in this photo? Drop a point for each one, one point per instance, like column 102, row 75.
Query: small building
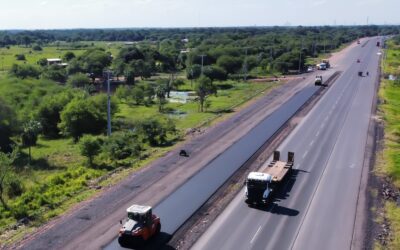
column 52, row 61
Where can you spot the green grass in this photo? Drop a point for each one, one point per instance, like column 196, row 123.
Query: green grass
column 389, row 160
column 7, row 56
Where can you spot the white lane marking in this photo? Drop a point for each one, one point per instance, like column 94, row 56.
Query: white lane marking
column 322, row 125
column 317, row 134
column 352, row 165
column 312, row 142
column 255, row 235
column 305, row 154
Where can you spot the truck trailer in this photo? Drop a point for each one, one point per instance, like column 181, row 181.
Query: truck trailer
column 260, row 186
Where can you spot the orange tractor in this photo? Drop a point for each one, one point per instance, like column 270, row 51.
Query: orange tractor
column 140, row 226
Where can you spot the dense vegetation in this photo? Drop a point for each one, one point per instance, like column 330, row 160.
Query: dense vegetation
column 390, row 159
column 53, row 118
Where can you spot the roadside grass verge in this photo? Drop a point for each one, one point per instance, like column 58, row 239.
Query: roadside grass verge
column 389, row 160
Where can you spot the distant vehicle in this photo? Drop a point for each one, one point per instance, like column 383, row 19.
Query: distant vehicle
column 310, row 69
column 321, row 66
column 183, row 152
column 358, row 61
column 378, row 44
column 358, row 42
column 326, row 61
column 360, row 73
column 261, row 185
column 318, row 81
column 140, row 227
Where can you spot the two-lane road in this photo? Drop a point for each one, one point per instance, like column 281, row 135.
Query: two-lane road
column 316, row 209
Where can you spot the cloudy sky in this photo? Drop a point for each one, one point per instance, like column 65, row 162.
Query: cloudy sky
column 57, row 14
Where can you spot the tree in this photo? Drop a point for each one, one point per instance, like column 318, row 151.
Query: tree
column 193, row 72
column 121, row 145
column 123, row 92
column 20, row 57
column 37, row 48
column 86, row 116
column 55, row 73
column 49, row 110
column 90, row 146
column 155, row 131
column 204, row 87
column 78, row 80
column 68, row 56
column 30, row 135
column 94, row 61
column 160, row 94
column 24, row 71
column 177, row 82
column 7, row 122
column 215, row 73
column 149, row 93
column 82, row 117
column 6, row 161
column 137, row 95
column 229, row 63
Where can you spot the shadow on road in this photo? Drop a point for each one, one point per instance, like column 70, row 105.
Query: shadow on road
column 159, row 242
column 281, row 194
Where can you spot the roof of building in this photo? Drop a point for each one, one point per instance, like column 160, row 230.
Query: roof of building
column 54, row 60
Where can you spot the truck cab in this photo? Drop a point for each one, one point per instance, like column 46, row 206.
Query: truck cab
column 260, row 186
column 140, row 226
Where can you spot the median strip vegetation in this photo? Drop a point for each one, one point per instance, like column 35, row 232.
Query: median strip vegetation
column 389, row 157
column 53, row 102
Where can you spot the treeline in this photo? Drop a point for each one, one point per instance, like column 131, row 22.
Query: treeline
column 23, row 37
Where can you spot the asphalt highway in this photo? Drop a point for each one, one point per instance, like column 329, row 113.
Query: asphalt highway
column 181, row 204
column 316, row 208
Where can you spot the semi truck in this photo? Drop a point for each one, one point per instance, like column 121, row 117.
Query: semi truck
column 141, row 226
column 260, row 186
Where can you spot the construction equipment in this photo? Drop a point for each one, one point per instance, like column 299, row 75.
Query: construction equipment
column 326, row 61
column 140, row 226
column 321, row 66
column 261, row 185
column 318, row 81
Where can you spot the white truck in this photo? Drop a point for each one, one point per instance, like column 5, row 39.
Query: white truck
column 261, row 185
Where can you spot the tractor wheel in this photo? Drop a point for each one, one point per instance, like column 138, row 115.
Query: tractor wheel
column 158, row 229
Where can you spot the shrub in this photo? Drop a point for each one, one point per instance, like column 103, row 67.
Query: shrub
column 121, row 145
column 24, row 71
column 37, row 48
column 20, row 57
column 90, row 147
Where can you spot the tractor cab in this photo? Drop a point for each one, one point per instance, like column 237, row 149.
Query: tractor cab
column 140, row 226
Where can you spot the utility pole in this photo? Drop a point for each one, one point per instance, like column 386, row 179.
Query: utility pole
column 300, row 56
column 202, row 63
column 245, row 64
column 108, row 104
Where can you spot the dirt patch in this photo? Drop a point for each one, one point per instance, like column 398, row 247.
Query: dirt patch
column 188, row 234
